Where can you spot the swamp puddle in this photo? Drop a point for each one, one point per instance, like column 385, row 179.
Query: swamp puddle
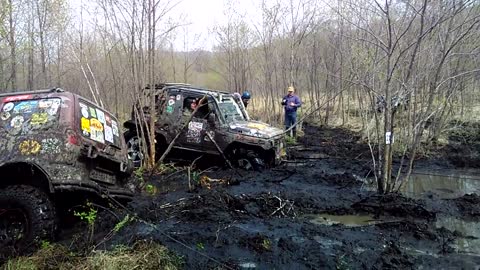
column 446, row 184
column 469, row 244
column 346, row 220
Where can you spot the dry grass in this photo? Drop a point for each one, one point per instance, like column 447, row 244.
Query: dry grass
column 142, row 255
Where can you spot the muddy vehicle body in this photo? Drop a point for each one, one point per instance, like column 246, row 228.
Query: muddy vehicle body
column 54, row 142
column 220, row 115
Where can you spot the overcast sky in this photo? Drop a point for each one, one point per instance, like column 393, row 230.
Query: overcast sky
column 202, row 15
column 199, row 18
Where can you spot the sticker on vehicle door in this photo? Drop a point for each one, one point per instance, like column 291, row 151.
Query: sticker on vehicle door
column 194, row 133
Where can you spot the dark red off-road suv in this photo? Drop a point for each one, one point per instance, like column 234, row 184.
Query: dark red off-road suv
column 53, row 143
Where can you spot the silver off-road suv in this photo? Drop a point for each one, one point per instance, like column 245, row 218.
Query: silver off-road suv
column 220, row 116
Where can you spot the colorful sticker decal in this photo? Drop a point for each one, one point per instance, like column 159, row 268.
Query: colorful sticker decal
column 115, row 128
column 101, row 116
column 39, row 119
column 179, row 97
column 50, row 146
column 85, row 125
column 45, row 103
column 26, row 107
column 108, row 134
column 96, row 130
column 29, row 147
column 84, row 110
column 4, row 116
column 17, row 98
column 169, row 109
column 195, row 125
column 257, row 126
column 17, row 121
column 96, row 125
column 108, row 120
column 194, row 132
column 54, row 107
column 92, row 112
column 8, row 106
column 171, row 102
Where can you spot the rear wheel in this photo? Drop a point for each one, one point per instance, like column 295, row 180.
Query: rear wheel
column 27, row 216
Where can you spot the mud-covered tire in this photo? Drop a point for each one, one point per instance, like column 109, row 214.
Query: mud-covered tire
column 28, row 212
column 257, row 162
column 134, row 147
column 251, row 160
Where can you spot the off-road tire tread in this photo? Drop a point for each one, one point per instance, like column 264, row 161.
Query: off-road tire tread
column 40, row 210
column 252, row 157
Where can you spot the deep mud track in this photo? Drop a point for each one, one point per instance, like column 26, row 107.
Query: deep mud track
column 271, row 220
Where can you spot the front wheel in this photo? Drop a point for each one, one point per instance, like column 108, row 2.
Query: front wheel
column 27, row 216
column 134, row 147
column 251, row 160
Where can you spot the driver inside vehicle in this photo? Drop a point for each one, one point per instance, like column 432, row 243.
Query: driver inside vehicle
column 191, row 104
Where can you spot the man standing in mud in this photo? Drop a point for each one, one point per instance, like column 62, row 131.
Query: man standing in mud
column 291, row 102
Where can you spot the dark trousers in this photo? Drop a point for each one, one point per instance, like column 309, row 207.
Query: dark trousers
column 290, row 120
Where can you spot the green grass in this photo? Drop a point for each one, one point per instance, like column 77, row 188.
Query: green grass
column 142, row 255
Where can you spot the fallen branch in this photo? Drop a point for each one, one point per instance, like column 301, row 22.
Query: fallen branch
column 220, row 150
column 169, row 148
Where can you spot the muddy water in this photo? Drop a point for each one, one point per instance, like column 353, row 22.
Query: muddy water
column 450, row 184
column 346, row 220
column 471, row 242
column 445, row 183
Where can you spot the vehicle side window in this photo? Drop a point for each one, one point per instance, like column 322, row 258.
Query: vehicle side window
column 28, row 116
column 98, row 125
column 190, row 103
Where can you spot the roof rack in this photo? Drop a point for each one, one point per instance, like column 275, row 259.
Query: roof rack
column 42, row 91
column 166, row 84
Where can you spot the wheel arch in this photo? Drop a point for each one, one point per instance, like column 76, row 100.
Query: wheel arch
column 25, row 173
column 237, row 148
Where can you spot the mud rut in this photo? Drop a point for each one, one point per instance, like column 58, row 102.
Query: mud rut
column 263, row 221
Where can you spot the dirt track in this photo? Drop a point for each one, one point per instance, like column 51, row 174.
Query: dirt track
column 266, row 221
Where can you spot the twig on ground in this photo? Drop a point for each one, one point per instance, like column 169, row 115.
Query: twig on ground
column 283, row 203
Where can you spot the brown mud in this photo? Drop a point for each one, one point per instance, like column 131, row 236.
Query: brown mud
column 264, row 221
column 250, row 220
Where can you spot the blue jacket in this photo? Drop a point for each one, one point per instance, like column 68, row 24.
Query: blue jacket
column 287, row 100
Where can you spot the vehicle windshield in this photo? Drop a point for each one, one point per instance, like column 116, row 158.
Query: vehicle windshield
column 230, row 110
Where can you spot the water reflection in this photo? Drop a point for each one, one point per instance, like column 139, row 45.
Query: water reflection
column 470, row 229
column 346, row 220
column 447, row 184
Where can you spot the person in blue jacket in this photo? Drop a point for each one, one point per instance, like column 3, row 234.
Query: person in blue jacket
column 291, row 103
column 246, row 98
